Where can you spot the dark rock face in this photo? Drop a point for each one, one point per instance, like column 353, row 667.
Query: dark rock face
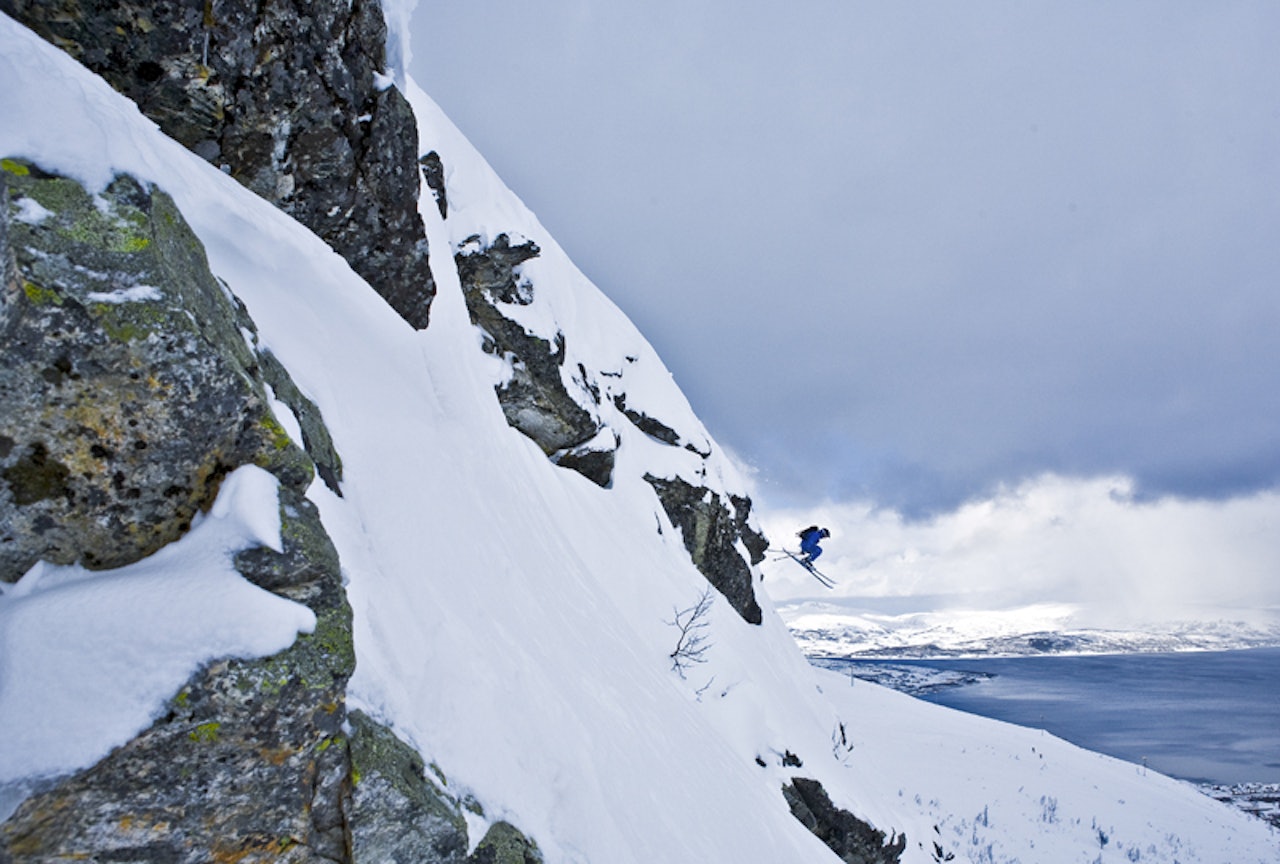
column 315, row 435
column 504, row 844
column 400, row 815
column 710, row 532
column 650, row 426
column 397, row 814
column 112, row 332
column 127, row 391
column 433, row 176
column 594, row 459
column 285, row 95
column 535, row 400
column 9, row 284
column 854, row 841
column 757, row 544
column 250, row 763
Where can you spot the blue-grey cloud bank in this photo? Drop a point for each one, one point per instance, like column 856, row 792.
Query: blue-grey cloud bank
column 908, row 252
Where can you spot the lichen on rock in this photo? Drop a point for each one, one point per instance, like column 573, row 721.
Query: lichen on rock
column 127, row 391
column 397, row 814
column 315, row 435
column 711, row 534
column 249, row 763
column 130, row 384
column 285, row 95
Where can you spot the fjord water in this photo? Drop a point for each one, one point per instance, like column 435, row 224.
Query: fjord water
column 1202, row 716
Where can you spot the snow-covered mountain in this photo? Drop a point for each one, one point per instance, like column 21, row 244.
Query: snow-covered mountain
column 533, row 671
column 847, row 628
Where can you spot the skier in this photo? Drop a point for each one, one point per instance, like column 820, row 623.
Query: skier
column 809, row 540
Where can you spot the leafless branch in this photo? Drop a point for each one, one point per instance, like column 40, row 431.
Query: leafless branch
column 691, row 647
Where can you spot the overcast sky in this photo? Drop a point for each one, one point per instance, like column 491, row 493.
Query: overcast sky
column 907, row 252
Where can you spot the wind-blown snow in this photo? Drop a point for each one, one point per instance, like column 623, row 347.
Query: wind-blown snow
column 511, row 618
column 87, row 659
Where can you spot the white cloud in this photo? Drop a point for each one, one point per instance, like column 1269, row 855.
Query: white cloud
column 914, row 252
column 1085, row 542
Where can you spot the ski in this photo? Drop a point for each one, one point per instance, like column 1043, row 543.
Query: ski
column 825, row 580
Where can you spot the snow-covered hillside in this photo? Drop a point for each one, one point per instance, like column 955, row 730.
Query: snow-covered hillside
column 512, row 618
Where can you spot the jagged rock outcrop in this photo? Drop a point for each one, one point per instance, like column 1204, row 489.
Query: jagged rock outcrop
column 650, row 426
column 114, row 332
column 853, row 841
column 250, row 762
column 534, row 398
column 288, row 97
column 504, row 844
column 127, row 391
column 711, row 533
column 752, row 540
column 433, row 175
column 400, row 813
column 397, row 813
column 537, row 402
column 8, row 264
column 315, row 435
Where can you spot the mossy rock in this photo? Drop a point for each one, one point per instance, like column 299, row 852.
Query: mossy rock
column 397, row 814
column 711, row 532
column 127, row 386
column 315, row 435
column 251, row 761
column 284, row 96
column 504, row 844
column 307, row 571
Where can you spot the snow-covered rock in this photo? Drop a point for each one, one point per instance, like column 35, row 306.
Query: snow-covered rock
column 512, row 622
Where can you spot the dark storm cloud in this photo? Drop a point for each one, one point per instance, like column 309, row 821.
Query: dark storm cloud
column 911, row 251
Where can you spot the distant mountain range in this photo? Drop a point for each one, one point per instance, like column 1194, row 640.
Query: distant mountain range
column 828, row 631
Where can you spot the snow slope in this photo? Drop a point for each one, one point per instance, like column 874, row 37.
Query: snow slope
column 512, row 617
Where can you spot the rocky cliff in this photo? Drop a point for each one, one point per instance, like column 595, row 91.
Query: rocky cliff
column 130, row 390
column 133, row 383
column 291, row 98
column 576, row 406
column 345, row 588
column 287, row 96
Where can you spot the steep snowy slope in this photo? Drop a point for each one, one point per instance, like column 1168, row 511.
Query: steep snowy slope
column 513, row 618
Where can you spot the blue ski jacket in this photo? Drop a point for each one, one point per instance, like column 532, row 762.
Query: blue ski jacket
column 809, row 544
